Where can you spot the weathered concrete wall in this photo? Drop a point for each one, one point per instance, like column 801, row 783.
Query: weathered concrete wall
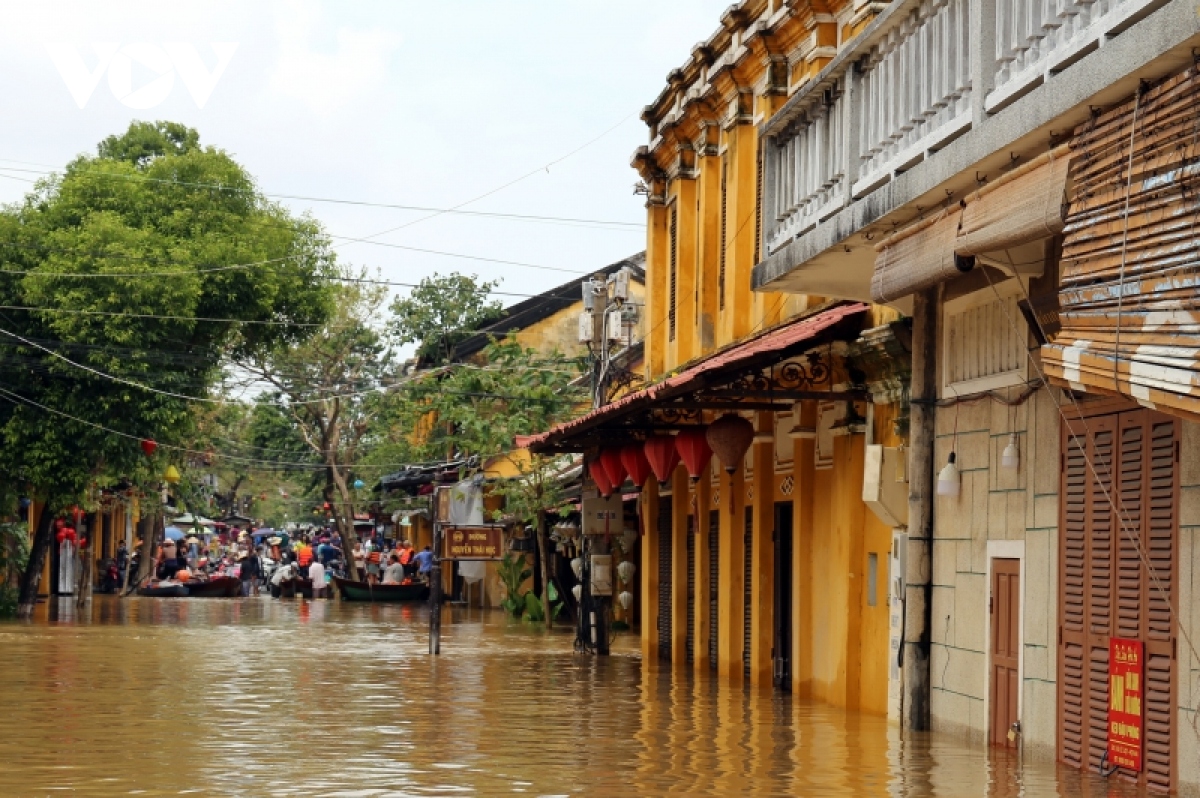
column 996, row 505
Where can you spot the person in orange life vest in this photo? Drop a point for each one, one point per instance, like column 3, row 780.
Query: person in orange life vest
column 304, row 555
column 374, row 558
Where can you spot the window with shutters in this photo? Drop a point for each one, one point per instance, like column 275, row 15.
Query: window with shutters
column 758, row 184
column 724, row 222
column 664, row 578
column 747, row 590
column 1105, row 588
column 984, row 341
column 674, row 260
column 714, row 584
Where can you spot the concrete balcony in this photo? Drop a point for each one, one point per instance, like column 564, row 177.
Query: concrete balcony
column 933, row 100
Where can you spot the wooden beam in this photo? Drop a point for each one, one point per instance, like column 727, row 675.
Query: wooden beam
column 781, row 396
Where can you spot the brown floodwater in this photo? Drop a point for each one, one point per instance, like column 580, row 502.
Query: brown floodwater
column 248, row 697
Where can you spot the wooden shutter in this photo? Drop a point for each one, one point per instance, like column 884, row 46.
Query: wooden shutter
column 714, row 584
column 1105, row 589
column 747, row 592
column 724, row 222
column 758, row 212
column 690, row 640
column 674, row 255
column 664, row 578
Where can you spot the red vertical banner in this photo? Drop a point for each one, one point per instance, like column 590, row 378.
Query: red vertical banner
column 1125, row 665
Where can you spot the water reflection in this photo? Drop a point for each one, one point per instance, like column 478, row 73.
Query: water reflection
column 261, row 697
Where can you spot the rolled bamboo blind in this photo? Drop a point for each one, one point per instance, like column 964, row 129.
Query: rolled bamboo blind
column 920, row 256
column 1129, row 273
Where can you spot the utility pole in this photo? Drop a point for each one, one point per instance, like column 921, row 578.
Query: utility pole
column 603, row 323
column 435, row 578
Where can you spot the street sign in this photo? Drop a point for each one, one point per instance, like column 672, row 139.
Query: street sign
column 473, row 543
column 1125, row 666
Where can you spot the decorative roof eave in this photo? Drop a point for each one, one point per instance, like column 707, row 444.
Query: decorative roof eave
column 705, row 385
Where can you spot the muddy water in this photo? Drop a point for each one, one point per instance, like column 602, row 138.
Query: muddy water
column 260, row 697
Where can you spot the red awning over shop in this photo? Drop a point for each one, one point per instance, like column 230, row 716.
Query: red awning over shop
column 760, row 351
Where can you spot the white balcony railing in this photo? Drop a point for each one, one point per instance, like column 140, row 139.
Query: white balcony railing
column 809, row 162
column 1035, row 38
column 915, row 91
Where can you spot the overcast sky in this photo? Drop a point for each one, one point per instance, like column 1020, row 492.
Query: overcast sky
column 417, row 103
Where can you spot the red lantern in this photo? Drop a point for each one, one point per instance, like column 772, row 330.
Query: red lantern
column 149, row 447
column 600, row 477
column 730, row 437
column 633, row 458
column 610, row 461
column 693, row 447
column 662, row 455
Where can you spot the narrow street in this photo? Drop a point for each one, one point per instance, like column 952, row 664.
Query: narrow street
column 249, row 697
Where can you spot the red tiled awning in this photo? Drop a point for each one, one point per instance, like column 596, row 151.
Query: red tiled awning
column 759, row 351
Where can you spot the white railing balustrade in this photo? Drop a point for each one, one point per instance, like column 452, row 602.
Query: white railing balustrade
column 809, row 162
column 1035, row 38
column 915, row 91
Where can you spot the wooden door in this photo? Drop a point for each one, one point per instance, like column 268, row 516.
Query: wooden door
column 781, row 648
column 714, row 584
column 1004, row 682
column 747, row 590
column 1118, row 513
column 665, row 539
column 690, row 638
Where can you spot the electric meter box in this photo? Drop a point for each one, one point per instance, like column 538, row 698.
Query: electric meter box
column 602, row 581
column 885, row 490
column 603, row 516
column 585, row 327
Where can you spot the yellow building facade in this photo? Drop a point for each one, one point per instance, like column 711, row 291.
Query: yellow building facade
column 703, row 179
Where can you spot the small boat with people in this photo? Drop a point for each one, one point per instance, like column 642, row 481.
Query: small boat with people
column 366, row 591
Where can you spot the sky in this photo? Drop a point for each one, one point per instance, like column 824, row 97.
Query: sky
column 426, row 104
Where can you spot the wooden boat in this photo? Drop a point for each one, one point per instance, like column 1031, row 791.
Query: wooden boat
column 217, row 587
column 178, row 590
column 364, row 591
column 295, row 586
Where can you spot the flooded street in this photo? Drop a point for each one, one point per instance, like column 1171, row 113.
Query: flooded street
column 264, row 697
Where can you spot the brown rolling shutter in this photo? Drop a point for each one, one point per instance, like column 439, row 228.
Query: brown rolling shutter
column 690, row 640
column 664, row 578
column 1105, row 589
column 714, row 584
column 747, row 590
column 724, row 223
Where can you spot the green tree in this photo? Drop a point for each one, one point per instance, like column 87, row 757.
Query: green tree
column 150, row 265
column 441, row 312
column 482, row 410
column 330, row 386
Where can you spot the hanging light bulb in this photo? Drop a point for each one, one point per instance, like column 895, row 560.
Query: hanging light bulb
column 1011, row 456
column 948, row 483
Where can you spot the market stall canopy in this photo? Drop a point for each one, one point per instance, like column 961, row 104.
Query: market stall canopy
column 193, row 520
column 757, row 374
column 173, row 533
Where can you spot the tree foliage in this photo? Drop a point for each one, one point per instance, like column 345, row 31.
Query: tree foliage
column 143, row 264
column 441, row 312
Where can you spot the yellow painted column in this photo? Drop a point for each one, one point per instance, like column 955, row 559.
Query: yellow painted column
column 803, row 473
column 763, row 584
column 680, row 500
column 703, row 557
column 729, row 607
column 657, row 245
column 649, row 570
column 741, row 206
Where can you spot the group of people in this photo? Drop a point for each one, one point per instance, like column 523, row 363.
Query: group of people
column 386, row 565
column 190, row 559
